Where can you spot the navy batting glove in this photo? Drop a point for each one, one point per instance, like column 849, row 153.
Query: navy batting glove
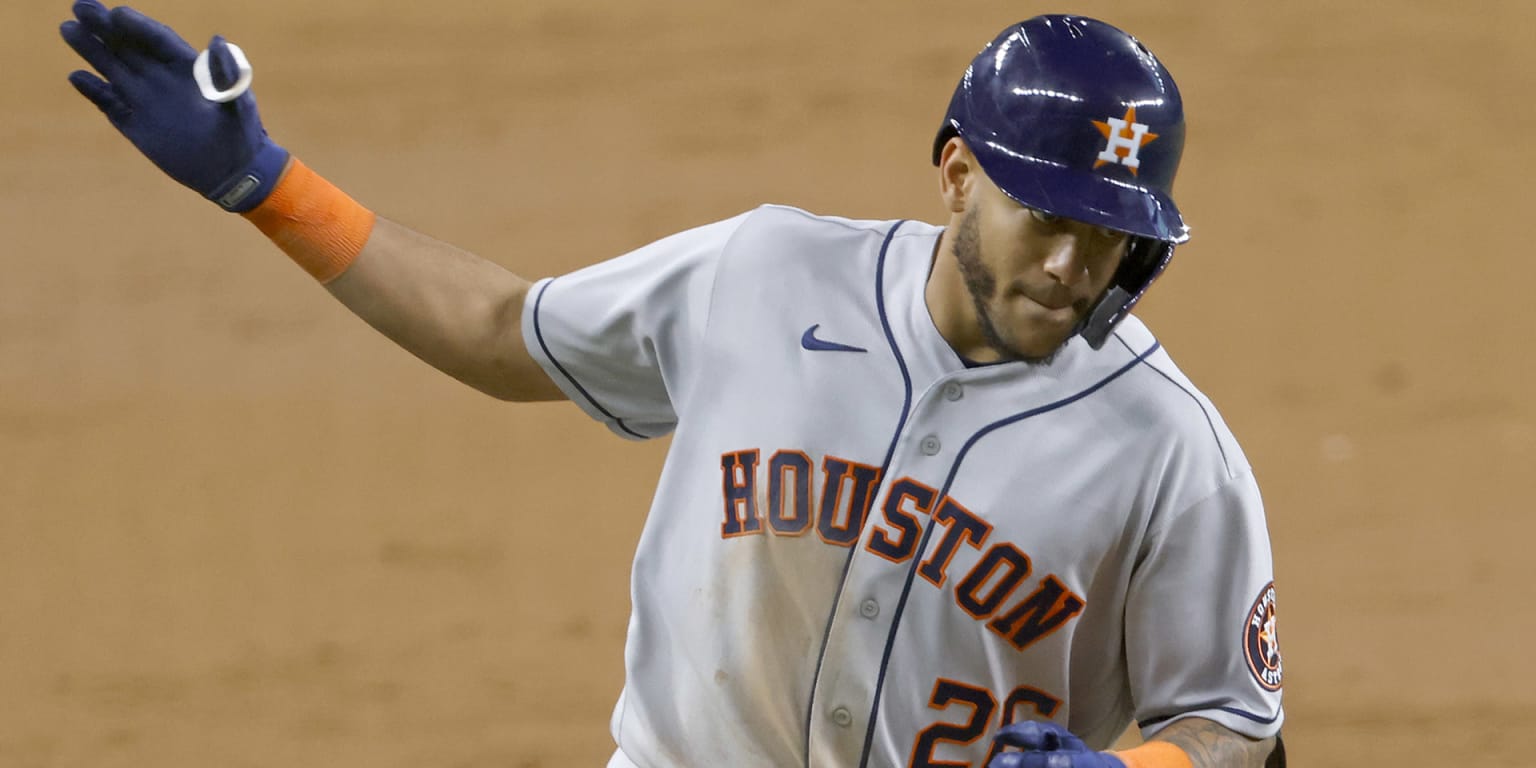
column 150, row 95
column 1047, row 745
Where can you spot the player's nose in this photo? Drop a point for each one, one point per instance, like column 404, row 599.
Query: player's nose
column 1066, row 258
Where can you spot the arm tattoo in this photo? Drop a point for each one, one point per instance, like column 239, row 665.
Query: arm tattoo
column 1211, row 745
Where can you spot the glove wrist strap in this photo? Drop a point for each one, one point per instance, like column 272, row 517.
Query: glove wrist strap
column 315, row 223
column 250, row 187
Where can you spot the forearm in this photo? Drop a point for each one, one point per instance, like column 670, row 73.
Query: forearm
column 458, row 312
column 1211, row 745
column 193, row 115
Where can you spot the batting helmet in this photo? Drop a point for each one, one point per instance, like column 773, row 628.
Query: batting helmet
column 1073, row 117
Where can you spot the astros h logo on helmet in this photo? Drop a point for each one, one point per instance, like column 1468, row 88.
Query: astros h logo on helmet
column 1125, row 138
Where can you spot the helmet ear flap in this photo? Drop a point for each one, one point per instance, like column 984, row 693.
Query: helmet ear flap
column 1145, row 259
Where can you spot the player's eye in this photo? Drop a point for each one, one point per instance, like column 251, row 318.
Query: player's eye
column 1052, row 219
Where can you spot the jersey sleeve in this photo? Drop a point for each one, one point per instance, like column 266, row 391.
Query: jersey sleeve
column 621, row 338
column 1201, row 638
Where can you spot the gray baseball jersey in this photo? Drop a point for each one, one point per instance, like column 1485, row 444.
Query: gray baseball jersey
column 864, row 551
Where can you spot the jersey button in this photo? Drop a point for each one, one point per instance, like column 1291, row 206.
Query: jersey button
column 930, row 445
column 953, row 391
column 869, row 609
column 842, row 717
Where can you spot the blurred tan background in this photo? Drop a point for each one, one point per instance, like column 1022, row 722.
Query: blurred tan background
column 238, row 528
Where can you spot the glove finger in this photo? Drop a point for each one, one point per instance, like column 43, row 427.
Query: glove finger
column 1027, row 735
column 225, row 73
column 221, row 63
column 91, row 48
column 1028, row 761
column 102, row 24
column 92, row 14
column 100, row 93
column 1071, row 743
column 150, row 37
column 1008, row 760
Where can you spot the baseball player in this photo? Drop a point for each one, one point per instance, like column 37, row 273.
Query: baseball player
column 934, row 497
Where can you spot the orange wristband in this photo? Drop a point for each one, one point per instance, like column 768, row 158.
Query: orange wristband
column 315, row 223
column 1155, row 754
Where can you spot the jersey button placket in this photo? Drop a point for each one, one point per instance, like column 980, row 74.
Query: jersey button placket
column 869, row 609
column 930, row 445
column 953, row 391
column 842, row 717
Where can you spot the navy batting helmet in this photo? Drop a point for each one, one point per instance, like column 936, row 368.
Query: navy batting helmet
column 1073, row 117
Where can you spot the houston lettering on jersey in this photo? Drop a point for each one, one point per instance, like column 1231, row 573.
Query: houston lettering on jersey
column 987, row 592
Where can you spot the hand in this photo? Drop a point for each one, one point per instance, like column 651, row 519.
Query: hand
column 149, row 94
column 1047, row 745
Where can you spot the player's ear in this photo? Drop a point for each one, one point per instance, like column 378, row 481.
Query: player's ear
column 958, row 172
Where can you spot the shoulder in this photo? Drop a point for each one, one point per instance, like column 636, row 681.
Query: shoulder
column 790, row 219
column 786, row 240
column 772, row 222
column 783, row 225
column 1163, row 399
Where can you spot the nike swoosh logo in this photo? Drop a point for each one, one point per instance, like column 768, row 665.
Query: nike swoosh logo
column 809, row 341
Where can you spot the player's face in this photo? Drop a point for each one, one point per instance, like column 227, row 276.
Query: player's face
column 1031, row 276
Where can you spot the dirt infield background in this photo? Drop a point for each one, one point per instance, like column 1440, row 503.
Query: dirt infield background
column 238, row 528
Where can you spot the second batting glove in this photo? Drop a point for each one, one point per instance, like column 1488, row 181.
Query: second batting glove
column 1048, row 745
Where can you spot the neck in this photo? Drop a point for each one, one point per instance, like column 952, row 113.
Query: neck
column 950, row 305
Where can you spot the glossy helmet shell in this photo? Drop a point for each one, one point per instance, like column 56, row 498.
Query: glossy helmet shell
column 1074, row 117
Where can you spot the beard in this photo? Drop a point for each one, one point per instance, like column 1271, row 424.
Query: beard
column 981, row 284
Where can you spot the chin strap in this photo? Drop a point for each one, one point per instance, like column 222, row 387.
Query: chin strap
column 1145, row 259
column 1096, row 327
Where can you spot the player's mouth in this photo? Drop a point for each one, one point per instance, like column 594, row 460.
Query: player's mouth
column 1054, row 301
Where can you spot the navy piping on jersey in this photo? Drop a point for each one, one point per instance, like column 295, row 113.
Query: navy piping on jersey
column 1243, row 713
column 901, row 423
column 538, row 332
column 922, row 544
column 1182, row 388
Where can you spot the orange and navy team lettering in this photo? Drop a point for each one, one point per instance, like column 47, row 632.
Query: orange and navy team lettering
column 848, row 490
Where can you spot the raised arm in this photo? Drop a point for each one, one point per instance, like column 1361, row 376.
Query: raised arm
column 458, row 312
